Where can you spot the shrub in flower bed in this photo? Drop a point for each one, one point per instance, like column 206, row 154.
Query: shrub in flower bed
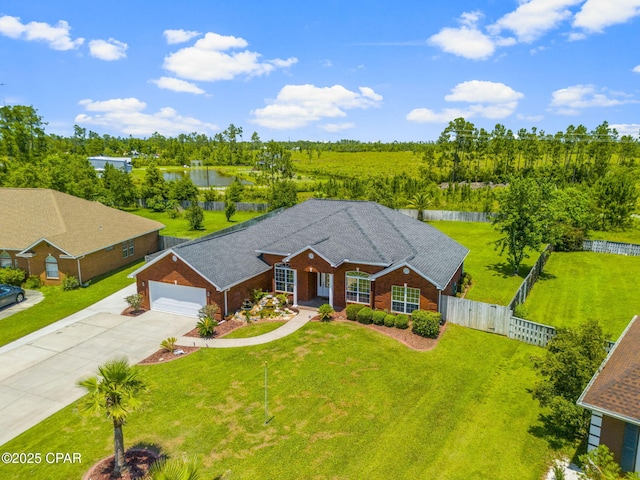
column 425, row 324
column 352, row 310
column 365, row 315
column 378, row 317
column 402, row 321
column 389, row 320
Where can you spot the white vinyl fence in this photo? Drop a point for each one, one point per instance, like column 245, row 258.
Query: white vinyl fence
column 606, row 246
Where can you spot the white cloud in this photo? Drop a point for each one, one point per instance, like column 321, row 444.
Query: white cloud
column 466, row 41
column 336, row 127
column 595, row 15
column 298, row 105
column 177, row 85
column 58, row 37
column 571, row 100
column 179, row 36
column 208, row 60
column 533, row 18
column 108, row 50
column 632, row 129
column 492, row 100
column 636, row 69
column 126, row 115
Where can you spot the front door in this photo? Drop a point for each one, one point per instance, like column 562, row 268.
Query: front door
column 324, row 283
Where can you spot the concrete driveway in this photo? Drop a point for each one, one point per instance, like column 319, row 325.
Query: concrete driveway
column 31, row 297
column 38, row 373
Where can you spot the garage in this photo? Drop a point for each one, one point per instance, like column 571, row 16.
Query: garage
column 178, row 299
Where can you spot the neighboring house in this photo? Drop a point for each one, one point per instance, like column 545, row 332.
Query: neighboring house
column 613, row 396
column 54, row 235
column 342, row 251
column 99, row 163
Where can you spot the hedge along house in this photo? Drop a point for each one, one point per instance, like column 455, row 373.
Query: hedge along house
column 341, row 251
column 54, row 235
column 613, row 396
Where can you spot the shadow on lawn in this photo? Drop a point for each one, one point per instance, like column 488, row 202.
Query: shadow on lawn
column 505, row 270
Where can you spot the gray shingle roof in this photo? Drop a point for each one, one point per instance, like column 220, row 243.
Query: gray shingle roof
column 339, row 230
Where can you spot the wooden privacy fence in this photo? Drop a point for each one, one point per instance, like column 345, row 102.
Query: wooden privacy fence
column 530, row 280
column 448, row 215
column 219, row 206
column 605, row 246
column 477, row 315
column 530, row 332
column 165, row 242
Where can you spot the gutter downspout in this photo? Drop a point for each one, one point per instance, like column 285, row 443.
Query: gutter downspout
column 225, row 302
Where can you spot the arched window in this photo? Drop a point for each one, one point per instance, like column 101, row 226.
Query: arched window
column 5, row 260
column 285, row 277
column 358, row 287
column 51, row 267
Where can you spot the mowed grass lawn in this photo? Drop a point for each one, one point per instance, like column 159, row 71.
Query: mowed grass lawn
column 492, row 278
column 577, row 286
column 345, row 402
column 179, row 227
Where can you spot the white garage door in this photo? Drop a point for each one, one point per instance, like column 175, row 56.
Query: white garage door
column 167, row 297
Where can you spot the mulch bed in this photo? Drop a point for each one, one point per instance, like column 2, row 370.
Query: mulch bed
column 138, row 462
column 130, row 312
column 163, row 356
column 405, row 336
column 221, row 330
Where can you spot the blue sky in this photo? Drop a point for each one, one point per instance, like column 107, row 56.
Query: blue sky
column 322, row 70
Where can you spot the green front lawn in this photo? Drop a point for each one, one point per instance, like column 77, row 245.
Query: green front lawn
column 492, row 280
column 254, row 330
column 58, row 304
column 577, row 286
column 345, row 402
column 179, row 227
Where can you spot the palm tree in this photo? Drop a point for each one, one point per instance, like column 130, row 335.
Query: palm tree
column 420, row 201
column 174, row 469
column 116, row 392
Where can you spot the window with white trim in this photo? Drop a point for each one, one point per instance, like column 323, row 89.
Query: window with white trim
column 125, row 249
column 5, row 260
column 358, row 287
column 51, row 267
column 404, row 299
column 131, row 249
column 285, row 277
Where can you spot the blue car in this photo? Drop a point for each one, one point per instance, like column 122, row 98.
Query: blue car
column 10, row 294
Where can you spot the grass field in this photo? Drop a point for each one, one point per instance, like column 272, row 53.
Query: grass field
column 577, row 286
column 492, row 280
column 344, row 403
column 179, row 227
column 360, row 164
column 58, row 304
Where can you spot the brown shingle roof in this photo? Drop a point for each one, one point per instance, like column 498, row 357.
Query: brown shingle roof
column 74, row 225
column 615, row 388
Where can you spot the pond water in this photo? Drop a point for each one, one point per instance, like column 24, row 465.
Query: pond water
column 203, row 177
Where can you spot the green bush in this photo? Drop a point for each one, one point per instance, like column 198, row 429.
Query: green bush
column 352, row 310
column 70, row 283
column 402, row 321
column 282, row 299
column 325, row 311
column 425, row 324
column 365, row 315
column 135, row 301
column 465, row 282
column 33, row 282
column 378, row 317
column 12, row 276
column 206, row 327
column 389, row 320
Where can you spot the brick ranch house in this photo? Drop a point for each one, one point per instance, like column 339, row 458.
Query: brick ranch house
column 613, row 396
column 342, row 251
column 54, row 235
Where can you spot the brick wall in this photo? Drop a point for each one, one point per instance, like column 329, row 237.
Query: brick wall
column 92, row 265
column 382, row 288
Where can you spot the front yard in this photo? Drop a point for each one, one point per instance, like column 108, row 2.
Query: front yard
column 345, row 401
